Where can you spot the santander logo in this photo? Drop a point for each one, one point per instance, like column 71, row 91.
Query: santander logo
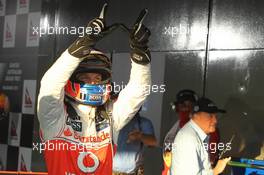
column 85, row 168
column 94, row 139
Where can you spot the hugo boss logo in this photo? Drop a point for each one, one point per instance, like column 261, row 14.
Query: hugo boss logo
column 76, row 125
column 95, row 97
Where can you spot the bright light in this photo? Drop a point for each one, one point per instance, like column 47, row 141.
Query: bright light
column 223, row 37
column 45, row 22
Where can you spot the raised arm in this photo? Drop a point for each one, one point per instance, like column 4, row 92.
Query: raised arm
column 50, row 110
column 135, row 93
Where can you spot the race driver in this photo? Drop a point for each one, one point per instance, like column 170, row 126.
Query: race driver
column 78, row 121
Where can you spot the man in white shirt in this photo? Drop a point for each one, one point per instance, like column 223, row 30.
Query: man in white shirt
column 189, row 154
column 183, row 106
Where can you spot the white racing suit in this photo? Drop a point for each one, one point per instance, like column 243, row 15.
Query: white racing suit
column 83, row 145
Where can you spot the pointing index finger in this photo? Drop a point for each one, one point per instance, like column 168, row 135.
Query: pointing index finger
column 103, row 11
column 141, row 17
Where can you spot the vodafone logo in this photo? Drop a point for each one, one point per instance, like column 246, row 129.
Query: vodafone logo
column 87, row 169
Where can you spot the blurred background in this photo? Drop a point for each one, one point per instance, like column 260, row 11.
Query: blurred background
column 214, row 47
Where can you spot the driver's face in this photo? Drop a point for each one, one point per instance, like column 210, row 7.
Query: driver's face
column 90, row 78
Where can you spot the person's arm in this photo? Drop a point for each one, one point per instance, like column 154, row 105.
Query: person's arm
column 50, row 110
column 135, row 93
column 132, row 97
column 146, row 134
column 220, row 166
column 146, row 139
column 149, row 140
